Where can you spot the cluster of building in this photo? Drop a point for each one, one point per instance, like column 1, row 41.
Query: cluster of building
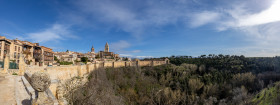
column 34, row 54
column 70, row 56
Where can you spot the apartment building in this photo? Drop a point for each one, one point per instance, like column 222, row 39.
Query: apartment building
column 33, row 53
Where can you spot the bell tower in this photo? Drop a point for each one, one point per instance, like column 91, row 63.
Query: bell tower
column 92, row 49
column 106, row 47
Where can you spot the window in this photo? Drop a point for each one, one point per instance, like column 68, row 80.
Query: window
column 15, row 48
column 15, row 55
column 18, row 48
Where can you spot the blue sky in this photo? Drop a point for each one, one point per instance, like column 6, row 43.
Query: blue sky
column 147, row 28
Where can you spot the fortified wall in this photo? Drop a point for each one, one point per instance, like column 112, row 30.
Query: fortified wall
column 65, row 72
column 58, row 74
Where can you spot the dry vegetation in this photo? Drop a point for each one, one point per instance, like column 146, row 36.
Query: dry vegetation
column 184, row 84
column 96, row 91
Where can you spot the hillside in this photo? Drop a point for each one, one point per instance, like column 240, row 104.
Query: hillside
column 215, row 80
column 268, row 96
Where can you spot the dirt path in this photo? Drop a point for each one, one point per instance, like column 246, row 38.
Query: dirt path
column 7, row 89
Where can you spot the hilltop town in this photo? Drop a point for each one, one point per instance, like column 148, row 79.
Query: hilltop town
column 71, row 57
column 34, row 74
column 24, row 65
column 139, row 52
column 34, row 54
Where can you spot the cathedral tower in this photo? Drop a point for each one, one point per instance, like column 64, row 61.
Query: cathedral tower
column 106, row 47
column 92, row 49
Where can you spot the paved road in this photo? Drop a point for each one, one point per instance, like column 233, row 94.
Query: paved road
column 7, row 89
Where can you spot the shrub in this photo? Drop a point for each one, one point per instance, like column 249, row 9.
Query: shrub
column 246, row 79
column 65, row 63
column 195, row 85
column 84, row 59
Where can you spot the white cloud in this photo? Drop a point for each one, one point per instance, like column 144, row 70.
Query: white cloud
column 134, row 17
column 54, row 33
column 237, row 16
column 202, row 18
column 266, row 34
column 267, row 16
column 112, row 13
column 258, row 22
column 139, row 17
column 260, row 26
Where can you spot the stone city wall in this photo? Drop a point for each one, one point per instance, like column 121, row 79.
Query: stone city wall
column 120, row 64
column 157, row 63
column 144, row 63
column 64, row 72
column 58, row 74
column 98, row 65
column 108, row 64
column 33, row 69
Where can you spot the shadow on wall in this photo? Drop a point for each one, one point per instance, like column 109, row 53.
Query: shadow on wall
column 26, row 102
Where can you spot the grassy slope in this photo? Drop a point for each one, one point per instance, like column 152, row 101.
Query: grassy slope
column 267, row 96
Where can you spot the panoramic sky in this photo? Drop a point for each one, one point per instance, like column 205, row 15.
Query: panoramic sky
column 147, row 28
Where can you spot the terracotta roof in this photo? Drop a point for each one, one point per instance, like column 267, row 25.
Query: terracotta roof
column 5, row 39
column 47, row 49
column 27, row 43
column 2, row 37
